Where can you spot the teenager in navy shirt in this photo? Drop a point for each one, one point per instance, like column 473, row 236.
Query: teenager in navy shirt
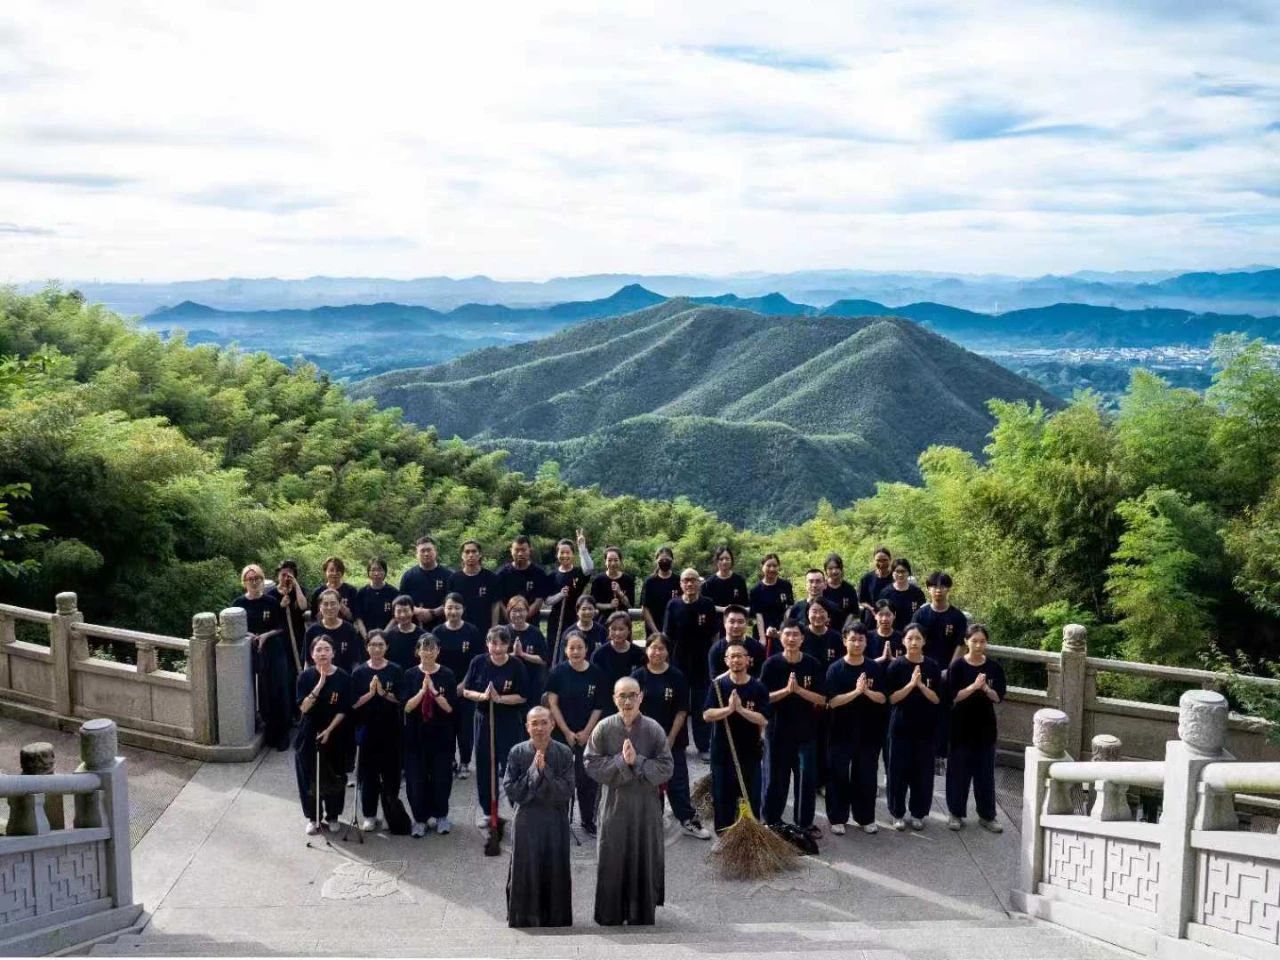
column 665, row 698
column 568, row 583
column 904, row 595
column 724, row 587
column 460, row 643
column 478, row 588
column 883, row 642
column 839, row 592
column 874, row 580
column 324, row 702
column 770, row 599
column 335, row 572
column 529, row 646
column 858, row 713
column 691, row 623
column 427, row 582
column 273, row 668
column 576, row 697
column 944, row 628
column 815, row 581
column 619, row 657
column 613, row 589
column 823, row 643
column 737, row 708
column 522, row 578
column 658, row 590
column 496, row 685
column 795, row 684
column 377, row 714
column 593, row 632
column 374, row 600
column 402, row 633
column 914, row 683
column 430, row 695
column 735, row 632
column 976, row 684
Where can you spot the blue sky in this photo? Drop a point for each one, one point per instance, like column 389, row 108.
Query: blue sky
column 163, row 141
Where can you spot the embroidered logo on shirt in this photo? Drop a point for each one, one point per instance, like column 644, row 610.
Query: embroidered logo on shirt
column 333, row 698
column 702, row 619
column 668, row 694
column 591, row 690
column 528, row 586
column 439, row 584
column 506, row 686
column 482, row 591
column 466, row 645
column 950, row 628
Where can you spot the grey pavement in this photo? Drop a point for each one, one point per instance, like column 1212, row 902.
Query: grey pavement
column 226, row 871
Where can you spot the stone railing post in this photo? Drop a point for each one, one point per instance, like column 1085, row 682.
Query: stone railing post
column 1049, row 745
column 1075, row 652
column 202, row 677
column 98, row 749
column 1110, row 800
column 60, row 650
column 36, row 759
column 1202, row 731
column 28, row 816
column 234, row 662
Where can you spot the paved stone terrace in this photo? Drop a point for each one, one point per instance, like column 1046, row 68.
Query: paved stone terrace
column 226, row 871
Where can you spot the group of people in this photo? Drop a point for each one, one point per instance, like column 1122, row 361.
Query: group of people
column 802, row 695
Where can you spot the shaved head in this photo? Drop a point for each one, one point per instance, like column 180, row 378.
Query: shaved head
column 627, row 684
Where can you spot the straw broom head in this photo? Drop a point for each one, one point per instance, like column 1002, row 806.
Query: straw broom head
column 700, row 796
column 751, row 851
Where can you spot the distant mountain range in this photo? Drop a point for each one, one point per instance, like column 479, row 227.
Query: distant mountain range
column 1253, row 290
column 756, row 416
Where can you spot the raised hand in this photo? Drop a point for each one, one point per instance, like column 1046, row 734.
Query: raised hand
column 518, row 649
column 792, row 684
column 915, row 677
column 981, row 682
column 319, row 686
column 490, row 693
column 735, row 701
column 582, row 538
column 374, row 686
column 540, row 760
column 628, row 752
column 863, row 683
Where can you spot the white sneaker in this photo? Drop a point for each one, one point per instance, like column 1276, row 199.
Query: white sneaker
column 464, row 771
column 312, row 828
column 990, row 826
column 442, row 825
column 369, row 824
column 482, row 819
column 899, row 825
column 418, row 830
column 431, row 823
column 871, row 828
column 954, row 823
column 694, row 828
column 332, row 824
column 917, row 823
column 838, row 829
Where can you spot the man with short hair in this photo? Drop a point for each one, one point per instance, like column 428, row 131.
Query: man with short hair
column 875, row 580
column 735, row 632
column 794, row 680
column 691, row 623
column 737, row 708
column 629, row 757
column 944, row 628
column 521, row 577
column 815, row 582
column 478, row 588
column 427, row 583
column 539, row 784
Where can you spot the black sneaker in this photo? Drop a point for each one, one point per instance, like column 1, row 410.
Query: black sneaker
column 589, row 829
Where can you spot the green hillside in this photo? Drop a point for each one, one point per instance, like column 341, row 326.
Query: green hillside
column 672, row 400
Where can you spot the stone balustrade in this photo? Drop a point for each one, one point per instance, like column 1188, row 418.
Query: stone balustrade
column 60, row 885
column 204, row 712
column 1191, row 884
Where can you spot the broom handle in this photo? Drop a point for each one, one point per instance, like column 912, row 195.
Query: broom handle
column 733, row 750
column 293, row 641
column 558, row 654
column 493, row 774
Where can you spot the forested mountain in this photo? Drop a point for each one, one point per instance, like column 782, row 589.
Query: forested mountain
column 756, row 417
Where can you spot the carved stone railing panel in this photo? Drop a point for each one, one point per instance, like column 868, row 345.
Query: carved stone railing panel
column 1240, row 895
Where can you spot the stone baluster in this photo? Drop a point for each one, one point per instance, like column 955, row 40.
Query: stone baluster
column 1048, row 746
column 234, row 662
column 27, row 814
column 65, row 648
column 99, row 747
column 1075, row 654
column 1110, row 800
column 1202, row 731
column 36, row 759
column 203, row 678
column 147, row 661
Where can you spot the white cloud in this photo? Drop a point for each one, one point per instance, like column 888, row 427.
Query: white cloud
column 293, row 139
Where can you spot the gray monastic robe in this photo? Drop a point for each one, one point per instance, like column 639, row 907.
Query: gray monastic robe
column 629, row 848
column 539, row 890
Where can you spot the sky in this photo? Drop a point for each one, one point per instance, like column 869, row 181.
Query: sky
column 164, row 141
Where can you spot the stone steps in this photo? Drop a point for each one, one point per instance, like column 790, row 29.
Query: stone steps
column 1017, row 939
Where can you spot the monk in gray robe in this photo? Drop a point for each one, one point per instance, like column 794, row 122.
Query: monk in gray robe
column 629, row 757
column 539, row 783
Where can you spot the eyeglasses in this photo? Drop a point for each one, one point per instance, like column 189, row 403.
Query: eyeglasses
column 252, row 579
column 626, row 696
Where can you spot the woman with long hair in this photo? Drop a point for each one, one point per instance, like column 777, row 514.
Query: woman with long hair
column 324, row 701
column 976, row 684
column 430, row 695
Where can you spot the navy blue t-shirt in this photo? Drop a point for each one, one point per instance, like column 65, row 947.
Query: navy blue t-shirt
column 262, row 615
column 458, row 647
column 373, row 607
column 692, row 629
column 334, row 698
column 876, row 644
column 770, row 601
column 530, row 583
column 479, row 593
column 800, row 611
column 346, row 592
column 915, row 717
column 508, row 679
column 602, row 589
column 348, row 648
column 726, row 590
column 905, row 603
column 561, row 615
column 942, row 632
column 378, row 717
column 532, row 641
column 427, row 587
column 826, row 649
column 655, row 594
column 578, row 693
column 665, row 695
column 596, row 636
column 435, row 735
column 747, row 737
column 845, row 599
column 862, row 720
column 794, row 718
column 755, row 654
column 870, row 587
column 973, row 719
column 402, row 647
column 614, row 666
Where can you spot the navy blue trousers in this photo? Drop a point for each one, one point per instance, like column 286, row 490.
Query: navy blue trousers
column 678, row 787
column 790, row 760
column 428, row 781
column 304, row 766
column 852, row 784
column 972, row 764
column 725, row 792
column 378, row 770
column 911, row 773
